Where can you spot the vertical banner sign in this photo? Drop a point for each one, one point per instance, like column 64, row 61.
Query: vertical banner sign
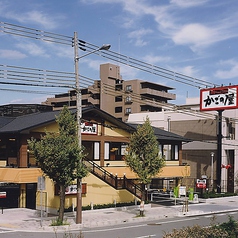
column 220, row 98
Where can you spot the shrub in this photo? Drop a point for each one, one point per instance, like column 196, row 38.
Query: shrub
column 198, row 232
column 101, row 206
column 224, row 230
column 58, row 222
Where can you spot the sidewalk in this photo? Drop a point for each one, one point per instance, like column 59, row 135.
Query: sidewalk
column 29, row 220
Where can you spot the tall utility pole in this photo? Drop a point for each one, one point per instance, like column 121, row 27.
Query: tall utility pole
column 212, row 161
column 219, row 150
column 79, row 115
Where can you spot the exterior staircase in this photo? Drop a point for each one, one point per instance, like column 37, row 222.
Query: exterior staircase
column 114, row 181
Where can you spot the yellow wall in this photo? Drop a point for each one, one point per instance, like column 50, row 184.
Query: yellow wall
column 98, row 192
column 50, row 127
column 115, row 131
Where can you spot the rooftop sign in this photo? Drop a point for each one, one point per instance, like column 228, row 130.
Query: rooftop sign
column 219, row 98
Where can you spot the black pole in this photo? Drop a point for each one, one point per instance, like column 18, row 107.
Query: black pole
column 219, row 150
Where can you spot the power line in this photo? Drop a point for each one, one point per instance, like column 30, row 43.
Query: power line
column 114, row 56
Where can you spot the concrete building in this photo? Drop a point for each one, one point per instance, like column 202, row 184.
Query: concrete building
column 116, row 96
column 201, row 154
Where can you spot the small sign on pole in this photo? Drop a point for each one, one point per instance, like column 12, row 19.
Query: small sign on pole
column 201, row 183
column 41, row 183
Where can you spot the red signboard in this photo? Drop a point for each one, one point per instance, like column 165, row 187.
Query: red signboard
column 89, row 128
column 201, row 183
column 3, row 194
column 219, row 98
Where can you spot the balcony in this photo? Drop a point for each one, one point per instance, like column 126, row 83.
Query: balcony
column 177, row 171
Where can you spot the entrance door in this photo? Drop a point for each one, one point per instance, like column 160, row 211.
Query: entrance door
column 31, row 195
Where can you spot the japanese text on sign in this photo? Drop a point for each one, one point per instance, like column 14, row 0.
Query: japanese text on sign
column 218, row 98
column 88, row 128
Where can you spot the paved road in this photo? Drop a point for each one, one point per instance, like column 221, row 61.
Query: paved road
column 21, row 220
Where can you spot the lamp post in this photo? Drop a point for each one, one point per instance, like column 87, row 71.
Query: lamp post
column 79, row 115
column 212, row 158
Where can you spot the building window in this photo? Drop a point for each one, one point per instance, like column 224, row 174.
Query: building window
column 128, row 99
column 128, row 88
column 128, row 110
column 118, row 109
column 117, row 150
column 170, row 152
column 92, row 149
column 106, row 151
column 118, row 99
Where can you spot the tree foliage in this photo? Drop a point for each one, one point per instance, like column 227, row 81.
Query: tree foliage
column 59, row 155
column 143, row 153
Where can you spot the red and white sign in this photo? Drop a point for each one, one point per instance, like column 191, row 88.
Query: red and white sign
column 219, row 98
column 201, row 183
column 89, row 128
column 3, row 194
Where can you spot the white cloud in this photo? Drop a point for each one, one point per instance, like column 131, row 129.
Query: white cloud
column 11, row 54
column 138, row 36
column 153, row 59
column 230, row 72
column 33, row 17
column 32, row 49
column 194, row 34
column 186, row 70
column 172, row 21
column 187, row 3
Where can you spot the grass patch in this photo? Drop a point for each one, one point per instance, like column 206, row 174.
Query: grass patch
column 58, row 222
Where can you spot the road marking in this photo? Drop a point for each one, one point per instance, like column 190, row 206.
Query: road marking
column 3, row 232
column 147, row 236
column 115, row 228
column 134, row 226
column 232, row 213
column 173, row 221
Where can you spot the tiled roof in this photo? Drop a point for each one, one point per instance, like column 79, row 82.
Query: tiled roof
column 163, row 135
column 21, row 123
column 31, row 121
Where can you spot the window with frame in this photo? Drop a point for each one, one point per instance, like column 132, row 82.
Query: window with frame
column 117, row 150
column 118, row 99
column 169, row 151
column 92, row 149
column 128, row 110
column 128, row 88
column 118, row 109
column 128, row 99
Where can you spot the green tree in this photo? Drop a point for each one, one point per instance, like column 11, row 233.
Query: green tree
column 143, row 154
column 60, row 156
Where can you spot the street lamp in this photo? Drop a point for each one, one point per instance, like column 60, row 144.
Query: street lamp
column 79, row 115
column 212, row 157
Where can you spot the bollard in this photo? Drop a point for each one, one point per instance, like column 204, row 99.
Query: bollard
column 142, row 209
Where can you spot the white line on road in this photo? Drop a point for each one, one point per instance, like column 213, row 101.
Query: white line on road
column 115, row 228
column 147, row 236
column 134, row 226
column 173, row 221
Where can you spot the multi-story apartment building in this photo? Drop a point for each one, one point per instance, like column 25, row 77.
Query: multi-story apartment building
column 116, row 96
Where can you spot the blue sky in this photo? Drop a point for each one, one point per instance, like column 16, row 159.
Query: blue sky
column 197, row 38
